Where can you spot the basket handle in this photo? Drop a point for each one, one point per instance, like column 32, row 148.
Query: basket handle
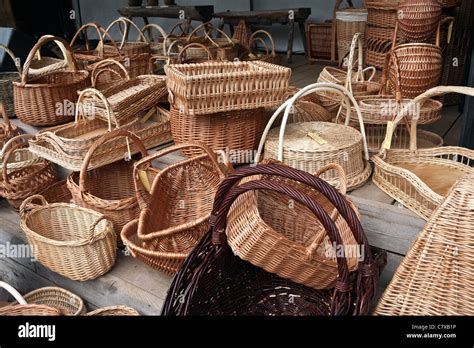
column 92, row 92
column 270, row 38
column 14, row 140
column 208, row 28
column 340, row 172
column 356, row 40
column 158, row 28
column 101, row 34
column 154, row 58
column 416, row 104
column 97, row 71
column 8, row 153
column 63, row 45
column 315, row 87
column 105, row 138
column 127, row 23
column 182, row 26
column 12, row 291
column 196, row 45
column 94, row 226
column 27, row 205
column 12, row 56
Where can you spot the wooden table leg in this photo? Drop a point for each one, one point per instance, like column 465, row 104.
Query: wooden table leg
column 289, row 52
column 303, row 38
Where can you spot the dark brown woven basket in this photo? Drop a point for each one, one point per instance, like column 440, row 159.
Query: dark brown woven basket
column 213, row 281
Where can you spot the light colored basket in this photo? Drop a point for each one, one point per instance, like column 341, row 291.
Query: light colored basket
column 108, row 190
column 74, row 242
column 126, row 47
column 37, row 100
column 306, row 109
column 6, row 82
column 349, row 22
column 7, row 130
column 108, row 73
column 436, row 276
column 226, row 86
column 312, row 145
column 23, row 308
column 175, row 210
column 418, row 20
column 421, row 179
column 113, row 311
column 258, row 37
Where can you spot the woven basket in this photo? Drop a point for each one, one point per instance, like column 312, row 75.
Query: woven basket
column 382, row 17
column 269, row 55
column 108, row 73
column 306, row 109
column 7, row 130
column 62, row 299
column 386, row 4
column 187, row 54
column 19, row 184
column 158, row 46
column 239, row 288
column 23, row 157
column 242, row 33
column 200, row 89
column 436, row 276
column 108, row 190
column 349, row 22
column 127, row 47
column 113, row 311
column 312, row 145
column 378, row 33
column 319, row 37
column 57, row 193
column 421, row 179
column 67, row 145
column 377, row 50
column 418, row 65
column 418, row 20
column 6, row 82
column 37, row 100
column 22, row 308
column 74, row 242
column 175, row 210
column 87, row 55
column 235, row 132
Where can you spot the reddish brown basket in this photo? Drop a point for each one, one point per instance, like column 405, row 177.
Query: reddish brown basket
column 239, row 288
column 108, row 190
column 37, row 100
column 6, row 81
column 418, row 19
column 127, row 47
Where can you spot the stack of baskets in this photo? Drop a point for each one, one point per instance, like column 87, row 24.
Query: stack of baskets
column 222, row 104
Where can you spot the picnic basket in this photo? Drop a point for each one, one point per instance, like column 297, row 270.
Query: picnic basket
column 6, row 82
column 421, row 178
column 435, row 278
column 418, row 20
column 37, row 100
column 65, row 301
column 108, row 190
column 113, row 311
column 309, row 146
column 67, row 145
column 7, row 129
column 77, row 243
column 175, row 208
column 240, row 288
column 87, row 55
column 200, row 89
column 22, row 308
column 236, row 132
column 19, row 184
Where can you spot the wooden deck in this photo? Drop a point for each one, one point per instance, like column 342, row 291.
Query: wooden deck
column 387, row 224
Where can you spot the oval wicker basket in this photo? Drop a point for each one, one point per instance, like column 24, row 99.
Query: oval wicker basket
column 418, row 20
column 108, row 190
column 421, row 178
column 37, row 100
column 72, row 241
column 175, row 209
column 113, row 311
column 22, row 308
column 312, row 145
column 6, row 82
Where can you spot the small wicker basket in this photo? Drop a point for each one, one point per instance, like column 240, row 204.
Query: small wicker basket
column 22, row 308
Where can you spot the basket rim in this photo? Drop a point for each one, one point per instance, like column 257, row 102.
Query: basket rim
column 84, row 73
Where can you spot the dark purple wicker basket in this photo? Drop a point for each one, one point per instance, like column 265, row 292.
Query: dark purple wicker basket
column 213, row 281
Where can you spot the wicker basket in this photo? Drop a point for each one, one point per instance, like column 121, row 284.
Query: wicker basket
column 377, row 50
column 379, row 33
column 306, row 109
column 349, row 22
column 319, row 41
column 108, row 73
column 22, row 308
column 187, row 54
column 382, row 17
column 421, row 179
column 108, row 190
column 87, row 55
column 387, row 4
column 74, row 242
column 176, row 210
column 7, row 130
column 418, row 65
column 242, row 33
column 235, row 132
column 6, row 82
column 126, row 47
column 436, row 276
column 158, row 46
column 200, row 89
column 269, row 55
column 418, row 20
column 19, row 184
column 239, row 288
column 312, row 145
column 65, row 301
column 57, row 193
column 113, row 311
column 67, row 145
column 37, row 100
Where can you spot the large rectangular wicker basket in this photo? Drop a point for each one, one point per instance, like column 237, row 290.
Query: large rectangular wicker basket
column 213, row 87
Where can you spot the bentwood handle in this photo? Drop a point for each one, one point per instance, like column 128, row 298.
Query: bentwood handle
column 100, row 32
